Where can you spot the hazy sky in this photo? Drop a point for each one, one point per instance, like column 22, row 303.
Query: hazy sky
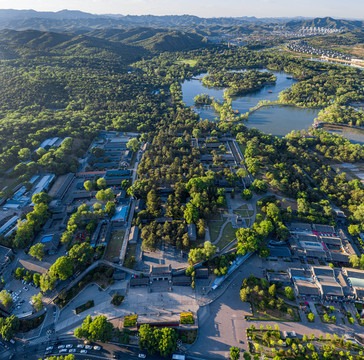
column 205, row 8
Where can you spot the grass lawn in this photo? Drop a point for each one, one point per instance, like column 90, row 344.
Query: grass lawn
column 189, row 62
column 227, row 236
column 275, row 314
column 242, row 213
column 130, row 252
column 242, row 148
column 114, row 246
column 243, row 207
column 214, row 227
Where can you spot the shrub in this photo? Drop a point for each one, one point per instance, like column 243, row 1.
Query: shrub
column 89, row 304
column 130, row 320
column 117, row 299
column 187, row 318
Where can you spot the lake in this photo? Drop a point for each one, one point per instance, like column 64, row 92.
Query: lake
column 275, row 120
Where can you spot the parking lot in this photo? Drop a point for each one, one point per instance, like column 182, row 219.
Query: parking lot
column 72, row 348
column 21, row 294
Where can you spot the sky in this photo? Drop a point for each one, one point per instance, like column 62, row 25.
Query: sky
column 202, row 8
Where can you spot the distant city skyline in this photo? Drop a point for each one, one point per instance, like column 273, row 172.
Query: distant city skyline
column 201, row 8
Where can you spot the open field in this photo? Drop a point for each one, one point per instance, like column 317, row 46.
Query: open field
column 227, row 236
column 130, row 255
column 114, row 245
column 189, row 62
column 214, row 227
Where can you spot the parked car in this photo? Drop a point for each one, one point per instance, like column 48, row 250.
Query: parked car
column 80, row 346
column 83, row 352
column 142, row 356
column 88, row 347
column 61, row 347
column 69, row 346
column 97, row 347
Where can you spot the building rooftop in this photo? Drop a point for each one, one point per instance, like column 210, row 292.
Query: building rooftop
column 278, row 277
column 161, row 269
column 324, row 228
column 331, row 240
column 355, row 282
column 307, row 288
column 339, row 257
column 39, row 267
column 299, row 273
column 323, row 271
column 280, row 251
column 329, row 288
column 355, row 273
column 295, row 226
column 121, row 213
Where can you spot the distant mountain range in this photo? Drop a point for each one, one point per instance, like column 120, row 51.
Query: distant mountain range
column 77, row 20
column 327, row 22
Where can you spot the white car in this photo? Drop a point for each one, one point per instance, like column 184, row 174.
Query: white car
column 142, row 356
column 69, row 346
column 63, row 350
column 72, row 350
column 61, row 347
column 49, row 348
column 80, row 346
column 25, row 288
column 83, row 352
column 97, row 347
column 88, row 347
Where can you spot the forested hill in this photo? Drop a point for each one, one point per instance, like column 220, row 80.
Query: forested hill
column 153, row 39
column 329, row 23
column 126, row 45
column 33, row 43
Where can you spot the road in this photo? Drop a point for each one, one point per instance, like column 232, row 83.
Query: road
column 108, row 351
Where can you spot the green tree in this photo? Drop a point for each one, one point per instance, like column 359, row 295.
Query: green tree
column 146, row 339
column 259, row 186
column 311, row 317
column 272, row 290
column 101, row 183
column 88, row 185
column 37, row 301
column 47, row 282
column 133, row 144
column 97, row 329
column 81, row 253
column 41, row 197
column 110, row 208
column 5, row 299
column 234, row 353
column 354, row 260
column 36, row 279
column 289, row 293
column 105, row 195
column 37, row 251
column 246, row 194
column 167, row 342
column 62, row 268
column 154, row 204
column 191, row 213
column 24, row 153
column 9, row 327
